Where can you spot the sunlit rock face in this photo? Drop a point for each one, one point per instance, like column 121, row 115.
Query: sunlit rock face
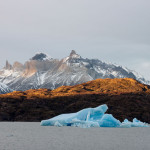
column 98, row 86
column 42, row 71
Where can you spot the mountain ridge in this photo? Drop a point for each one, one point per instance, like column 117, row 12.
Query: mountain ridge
column 43, row 72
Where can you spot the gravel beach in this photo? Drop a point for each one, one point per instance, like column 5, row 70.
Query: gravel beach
column 32, row 136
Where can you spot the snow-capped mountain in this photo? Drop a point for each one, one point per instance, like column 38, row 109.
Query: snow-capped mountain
column 42, row 71
column 4, row 89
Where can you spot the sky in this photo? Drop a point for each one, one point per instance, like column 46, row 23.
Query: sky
column 116, row 31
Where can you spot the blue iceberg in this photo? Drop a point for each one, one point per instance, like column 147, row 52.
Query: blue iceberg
column 91, row 117
column 136, row 123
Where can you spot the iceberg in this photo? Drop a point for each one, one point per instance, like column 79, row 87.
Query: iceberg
column 136, row 123
column 91, row 117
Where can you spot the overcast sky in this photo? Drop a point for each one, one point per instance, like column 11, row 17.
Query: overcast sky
column 116, row 31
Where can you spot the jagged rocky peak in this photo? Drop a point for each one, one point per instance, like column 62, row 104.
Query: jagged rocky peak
column 73, row 54
column 18, row 66
column 72, row 58
column 40, row 57
column 8, row 66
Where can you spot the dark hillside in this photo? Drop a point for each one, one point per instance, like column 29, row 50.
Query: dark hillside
column 126, row 98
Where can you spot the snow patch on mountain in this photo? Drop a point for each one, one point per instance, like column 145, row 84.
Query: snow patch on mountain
column 4, row 89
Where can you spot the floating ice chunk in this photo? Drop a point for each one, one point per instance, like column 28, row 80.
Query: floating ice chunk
column 109, row 121
column 57, row 124
column 126, row 124
column 91, row 117
column 84, row 124
column 135, row 123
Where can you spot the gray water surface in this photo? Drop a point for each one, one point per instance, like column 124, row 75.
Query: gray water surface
column 32, row 136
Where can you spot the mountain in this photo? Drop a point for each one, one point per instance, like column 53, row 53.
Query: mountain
column 42, row 71
column 4, row 89
column 126, row 98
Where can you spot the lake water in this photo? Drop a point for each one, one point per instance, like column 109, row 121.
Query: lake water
column 32, row 136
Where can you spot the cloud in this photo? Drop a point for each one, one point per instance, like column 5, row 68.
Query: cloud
column 145, row 65
column 144, row 69
column 112, row 30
